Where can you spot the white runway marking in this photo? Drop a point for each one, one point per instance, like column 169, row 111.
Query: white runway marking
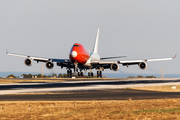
column 93, row 87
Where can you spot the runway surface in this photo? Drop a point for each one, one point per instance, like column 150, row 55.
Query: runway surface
column 110, row 94
column 84, row 83
column 86, row 90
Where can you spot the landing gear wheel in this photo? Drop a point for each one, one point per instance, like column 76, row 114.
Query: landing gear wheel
column 69, row 73
column 81, row 73
column 90, row 74
column 99, row 74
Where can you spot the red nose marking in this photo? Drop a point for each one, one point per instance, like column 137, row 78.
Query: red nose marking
column 78, row 54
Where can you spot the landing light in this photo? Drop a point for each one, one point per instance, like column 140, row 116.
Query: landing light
column 73, row 53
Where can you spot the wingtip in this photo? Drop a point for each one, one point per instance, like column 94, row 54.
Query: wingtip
column 175, row 56
column 6, row 51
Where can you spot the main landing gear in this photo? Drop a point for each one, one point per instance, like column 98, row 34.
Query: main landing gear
column 80, row 73
column 90, row 74
column 69, row 73
column 99, row 74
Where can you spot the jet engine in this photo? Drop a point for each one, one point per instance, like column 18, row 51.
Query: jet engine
column 114, row 67
column 49, row 65
column 142, row 65
column 28, row 62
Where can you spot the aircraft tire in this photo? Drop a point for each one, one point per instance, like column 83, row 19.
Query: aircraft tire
column 92, row 74
column 81, row 73
column 89, row 74
column 69, row 73
column 100, row 74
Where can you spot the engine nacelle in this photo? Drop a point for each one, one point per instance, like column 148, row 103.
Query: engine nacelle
column 142, row 65
column 114, row 67
column 28, row 62
column 49, row 65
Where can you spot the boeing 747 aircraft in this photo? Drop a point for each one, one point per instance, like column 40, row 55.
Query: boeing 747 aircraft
column 81, row 59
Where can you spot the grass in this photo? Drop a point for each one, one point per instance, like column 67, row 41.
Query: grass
column 39, row 80
column 166, row 109
column 6, row 81
column 157, row 111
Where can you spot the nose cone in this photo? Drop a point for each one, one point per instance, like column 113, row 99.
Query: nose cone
column 73, row 54
column 78, row 54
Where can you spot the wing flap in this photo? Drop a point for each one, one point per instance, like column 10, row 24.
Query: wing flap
column 104, row 62
column 112, row 57
column 61, row 60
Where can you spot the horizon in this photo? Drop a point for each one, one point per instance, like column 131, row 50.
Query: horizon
column 106, row 74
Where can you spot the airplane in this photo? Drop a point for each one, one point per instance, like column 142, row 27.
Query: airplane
column 82, row 59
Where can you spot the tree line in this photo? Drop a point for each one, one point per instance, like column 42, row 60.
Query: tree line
column 64, row 75
column 139, row 76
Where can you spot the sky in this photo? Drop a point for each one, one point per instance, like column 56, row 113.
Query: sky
column 48, row 28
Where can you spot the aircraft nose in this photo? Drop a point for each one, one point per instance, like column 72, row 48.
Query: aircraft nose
column 73, row 53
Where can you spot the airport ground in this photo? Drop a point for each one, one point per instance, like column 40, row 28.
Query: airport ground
column 156, row 109
column 128, row 103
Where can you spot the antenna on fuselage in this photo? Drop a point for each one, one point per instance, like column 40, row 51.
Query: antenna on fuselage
column 96, row 43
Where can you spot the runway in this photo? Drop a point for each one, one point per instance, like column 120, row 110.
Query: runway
column 86, row 90
column 75, row 83
column 110, row 94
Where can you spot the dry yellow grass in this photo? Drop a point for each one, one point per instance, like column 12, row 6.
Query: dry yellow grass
column 6, row 81
column 11, row 80
column 167, row 109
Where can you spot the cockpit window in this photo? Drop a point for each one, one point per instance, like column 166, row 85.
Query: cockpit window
column 76, row 45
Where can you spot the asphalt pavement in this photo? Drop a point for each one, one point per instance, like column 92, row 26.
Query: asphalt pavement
column 110, row 94
column 86, row 90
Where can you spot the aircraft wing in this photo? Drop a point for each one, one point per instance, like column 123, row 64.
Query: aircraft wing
column 39, row 59
column 113, row 65
column 131, row 62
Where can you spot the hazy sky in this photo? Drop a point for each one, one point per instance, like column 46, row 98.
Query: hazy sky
column 139, row 29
